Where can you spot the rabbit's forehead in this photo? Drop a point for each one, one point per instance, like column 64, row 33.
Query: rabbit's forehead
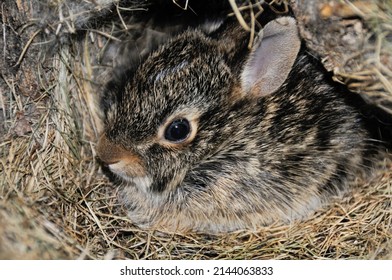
column 170, row 70
column 182, row 69
column 174, row 79
column 166, row 79
column 182, row 58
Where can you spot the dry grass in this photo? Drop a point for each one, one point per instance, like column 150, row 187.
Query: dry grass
column 354, row 40
column 55, row 203
column 373, row 74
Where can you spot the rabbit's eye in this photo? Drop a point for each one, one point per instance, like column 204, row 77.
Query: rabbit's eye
column 177, row 131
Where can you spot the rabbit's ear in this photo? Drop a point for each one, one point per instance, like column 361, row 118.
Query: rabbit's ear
column 272, row 57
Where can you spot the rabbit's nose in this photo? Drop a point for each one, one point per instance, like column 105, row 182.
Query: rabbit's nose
column 109, row 153
column 119, row 160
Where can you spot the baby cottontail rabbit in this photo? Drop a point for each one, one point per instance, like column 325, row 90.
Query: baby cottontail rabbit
column 213, row 137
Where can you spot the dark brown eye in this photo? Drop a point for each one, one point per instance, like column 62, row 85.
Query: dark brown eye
column 178, row 130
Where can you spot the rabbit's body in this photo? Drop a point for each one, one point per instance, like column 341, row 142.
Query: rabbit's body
column 256, row 152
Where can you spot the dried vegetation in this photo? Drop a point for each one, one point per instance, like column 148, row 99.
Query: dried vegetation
column 56, row 204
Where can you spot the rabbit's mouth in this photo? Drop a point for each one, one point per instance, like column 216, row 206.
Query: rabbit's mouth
column 139, row 179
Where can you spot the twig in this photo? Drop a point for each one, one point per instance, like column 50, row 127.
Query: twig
column 26, row 48
column 239, row 16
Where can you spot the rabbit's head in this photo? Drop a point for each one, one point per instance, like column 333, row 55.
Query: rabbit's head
column 168, row 118
column 175, row 110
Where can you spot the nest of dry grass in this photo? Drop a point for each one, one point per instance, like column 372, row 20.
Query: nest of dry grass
column 354, row 40
column 56, row 204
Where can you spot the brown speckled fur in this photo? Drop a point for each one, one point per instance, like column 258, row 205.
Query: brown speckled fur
column 254, row 160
